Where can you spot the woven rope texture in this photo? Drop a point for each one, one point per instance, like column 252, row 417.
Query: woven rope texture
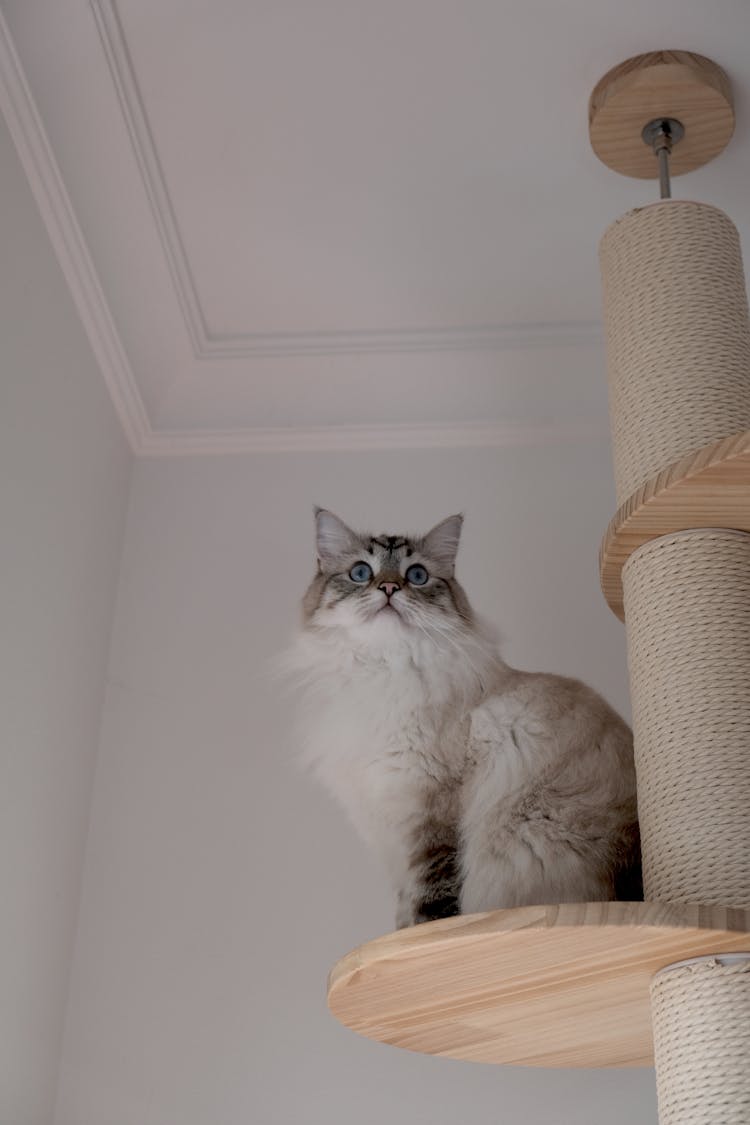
column 678, row 342
column 701, row 1017
column 687, row 610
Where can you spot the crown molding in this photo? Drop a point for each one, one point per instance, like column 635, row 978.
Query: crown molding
column 497, row 337
column 46, row 183
column 43, row 174
column 39, row 164
column 248, row 345
column 128, row 93
column 360, row 439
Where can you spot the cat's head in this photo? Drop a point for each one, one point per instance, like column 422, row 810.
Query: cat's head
column 386, row 582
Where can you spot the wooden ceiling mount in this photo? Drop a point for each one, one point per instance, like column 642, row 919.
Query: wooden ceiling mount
column 676, row 85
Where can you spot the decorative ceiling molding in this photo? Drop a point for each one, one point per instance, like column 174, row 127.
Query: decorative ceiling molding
column 360, row 439
column 136, row 121
column 499, row 337
column 247, row 345
column 38, row 161
column 39, row 164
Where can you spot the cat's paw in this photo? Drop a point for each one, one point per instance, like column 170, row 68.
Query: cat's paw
column 417, row 913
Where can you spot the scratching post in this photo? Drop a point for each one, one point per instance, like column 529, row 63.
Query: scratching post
column 666, row 981
column 701, row 1015
column 687, row 611
column 678, row 341
column 678, row 358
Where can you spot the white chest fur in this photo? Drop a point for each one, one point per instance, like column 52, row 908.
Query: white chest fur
column 386, row 720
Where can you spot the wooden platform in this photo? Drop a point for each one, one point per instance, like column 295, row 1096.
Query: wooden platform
column 548, row 986
column 707, row 488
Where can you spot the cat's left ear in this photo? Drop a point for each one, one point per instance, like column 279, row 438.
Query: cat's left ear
column 333, row 538
column 442, row 542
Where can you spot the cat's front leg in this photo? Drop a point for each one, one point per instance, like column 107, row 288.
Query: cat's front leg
column 432, row 885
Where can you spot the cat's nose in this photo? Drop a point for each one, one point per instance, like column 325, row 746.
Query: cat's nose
column 389, row 587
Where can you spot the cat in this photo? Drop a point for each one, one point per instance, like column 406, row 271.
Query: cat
column 479, row 786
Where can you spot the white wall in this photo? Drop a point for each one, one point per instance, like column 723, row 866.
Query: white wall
column 220, row 883
column 64, row 475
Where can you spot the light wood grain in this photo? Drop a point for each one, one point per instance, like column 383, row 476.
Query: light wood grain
column 677, row 84
column 707, row 488
column 535, row 986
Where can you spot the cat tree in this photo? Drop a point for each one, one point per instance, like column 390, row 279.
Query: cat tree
column 666, row 981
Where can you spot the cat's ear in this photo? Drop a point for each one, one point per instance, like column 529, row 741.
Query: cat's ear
column 442, row 542
column 333, row 538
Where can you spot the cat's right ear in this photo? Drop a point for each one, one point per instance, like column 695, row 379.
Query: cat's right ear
column 442, row 542
column 333, row 538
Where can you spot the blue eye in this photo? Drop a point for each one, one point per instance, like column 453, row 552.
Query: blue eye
column 360, row 572
column 417, row 575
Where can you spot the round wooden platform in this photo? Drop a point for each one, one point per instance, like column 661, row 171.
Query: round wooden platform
column 661, row 84
column 707, row 488
column 535, row 986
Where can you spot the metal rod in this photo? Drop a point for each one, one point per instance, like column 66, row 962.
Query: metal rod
column 664, row 185
column 661, row 134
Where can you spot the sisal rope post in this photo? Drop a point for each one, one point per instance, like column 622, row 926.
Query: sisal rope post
column 687, row 610
column 678, row 337
column 678, row 356
column 701, row 1020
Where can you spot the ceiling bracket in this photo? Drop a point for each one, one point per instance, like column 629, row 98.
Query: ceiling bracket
column 660, row 98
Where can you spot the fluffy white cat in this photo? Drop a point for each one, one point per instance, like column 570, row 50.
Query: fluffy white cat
column 479, row 786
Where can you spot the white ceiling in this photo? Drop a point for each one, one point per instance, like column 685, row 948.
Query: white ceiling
column 305, row 223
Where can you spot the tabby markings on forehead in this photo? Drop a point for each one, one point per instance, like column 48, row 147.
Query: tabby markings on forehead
column 392, row 543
